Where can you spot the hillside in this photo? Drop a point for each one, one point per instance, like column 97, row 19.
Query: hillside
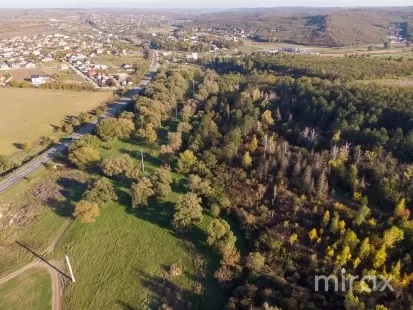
column 327, row 27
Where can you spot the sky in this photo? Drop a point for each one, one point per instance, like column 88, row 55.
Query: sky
column 196, row 3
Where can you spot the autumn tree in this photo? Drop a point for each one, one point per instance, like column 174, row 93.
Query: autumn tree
column 246, row 160
column 199, row 186
column 253, row 144
column 161, row 180
column 148, row 133
column 174, row 140
column 86, row 211
column 141, row 192
column 188, row 211
column 266, row 118
column 117, row 166
column 84, row 157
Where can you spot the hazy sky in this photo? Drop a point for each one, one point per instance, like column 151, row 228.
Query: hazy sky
column 195, row 4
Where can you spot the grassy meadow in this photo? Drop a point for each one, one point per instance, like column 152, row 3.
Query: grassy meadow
column 28, row 114
column 29, row 291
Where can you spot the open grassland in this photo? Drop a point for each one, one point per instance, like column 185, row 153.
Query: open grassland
column 29, row 291
column 116, row 61
column 28, row 114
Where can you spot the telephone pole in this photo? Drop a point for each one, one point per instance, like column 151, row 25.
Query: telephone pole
column 70, row 268
column 143, row 164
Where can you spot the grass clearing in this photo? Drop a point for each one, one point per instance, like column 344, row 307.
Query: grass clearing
column 29, row 291
column 28, row 114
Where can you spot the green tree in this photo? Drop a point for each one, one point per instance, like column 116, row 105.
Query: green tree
column 186, row 161
column 112, row 128
column 86, row 140
column 352, row 302
column 188, row 211
column 255, row 261
column 220, row 236
column 101, row 192
column 6, row 163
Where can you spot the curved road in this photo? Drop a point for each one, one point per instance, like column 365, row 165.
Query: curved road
column 41, row 160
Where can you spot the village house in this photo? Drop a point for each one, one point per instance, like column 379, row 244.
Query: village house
column 4, row 66
column 39, row 79
column 192, row 57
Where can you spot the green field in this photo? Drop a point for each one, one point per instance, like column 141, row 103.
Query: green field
column 28, row 114
column 29, row 291
column 116, row 61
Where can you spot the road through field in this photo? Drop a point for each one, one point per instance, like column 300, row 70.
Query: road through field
column 41, row 160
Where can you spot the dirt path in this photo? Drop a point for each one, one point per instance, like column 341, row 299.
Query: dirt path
column 54, row 275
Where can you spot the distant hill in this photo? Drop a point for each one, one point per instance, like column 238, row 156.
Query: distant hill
column 315, row 26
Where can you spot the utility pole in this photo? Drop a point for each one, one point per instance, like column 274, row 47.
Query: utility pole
column 143, row 164
column 70, row 268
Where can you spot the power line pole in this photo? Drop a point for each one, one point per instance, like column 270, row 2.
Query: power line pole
column 143, row 164
column 70, row 268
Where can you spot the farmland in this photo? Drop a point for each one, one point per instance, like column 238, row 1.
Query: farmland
column 28, row 114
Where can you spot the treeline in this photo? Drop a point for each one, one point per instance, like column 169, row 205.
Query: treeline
column 185, row 46
column 54, row 85
column 349, row 68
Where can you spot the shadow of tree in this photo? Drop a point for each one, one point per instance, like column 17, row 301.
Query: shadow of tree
column 164, row 291
column 161, row 213
column 71, row 189
column 18, row 145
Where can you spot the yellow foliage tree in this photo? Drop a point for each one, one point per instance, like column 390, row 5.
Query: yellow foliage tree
column 312, row 234
column 380, row 257
column 253, row 144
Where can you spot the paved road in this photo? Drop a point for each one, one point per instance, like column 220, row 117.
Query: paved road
column 41, row 160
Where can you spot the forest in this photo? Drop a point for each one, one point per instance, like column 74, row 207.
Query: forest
column 314, row 170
